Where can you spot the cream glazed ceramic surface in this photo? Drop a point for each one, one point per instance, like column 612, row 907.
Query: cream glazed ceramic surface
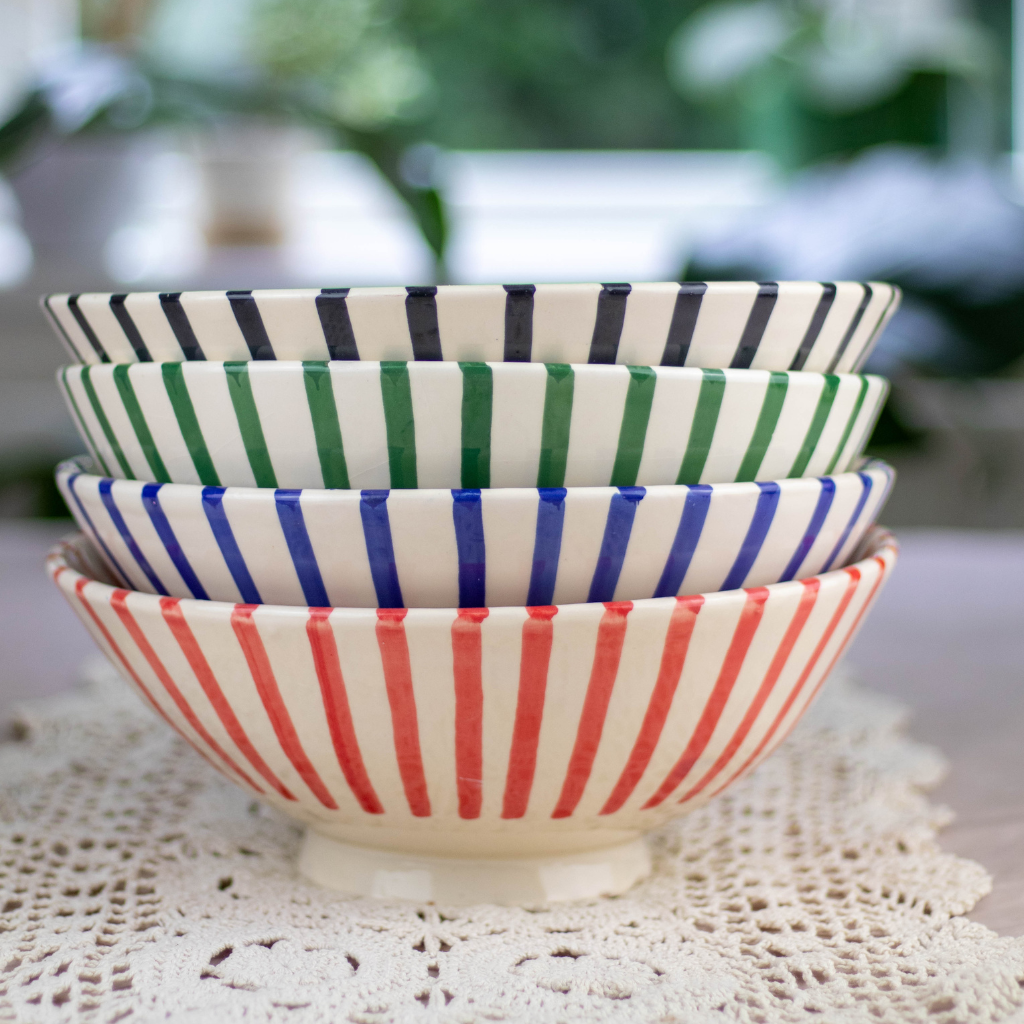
column 470, row 548
column 466, row 743
column 789, row 325
column 370, row 425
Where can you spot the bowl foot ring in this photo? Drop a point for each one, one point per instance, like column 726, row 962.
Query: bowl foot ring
column 389, row 874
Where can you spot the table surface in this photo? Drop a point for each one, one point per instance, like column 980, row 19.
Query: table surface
column 946, row 638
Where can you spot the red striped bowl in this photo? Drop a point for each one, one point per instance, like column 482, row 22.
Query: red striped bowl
column 477, row 754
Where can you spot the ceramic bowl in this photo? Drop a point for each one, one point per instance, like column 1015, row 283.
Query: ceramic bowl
column 373, row 425
column 791, row 325
column 481, row 755
column 469, row 548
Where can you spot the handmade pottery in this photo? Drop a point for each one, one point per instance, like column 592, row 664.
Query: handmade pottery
column 501, row 755
column 790, row 325
column 469, row 548
column 371, row 425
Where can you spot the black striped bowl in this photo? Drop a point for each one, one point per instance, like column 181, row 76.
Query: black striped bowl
column 369, row 425
column 790, row 325
column 470, row 548
column 513, row 735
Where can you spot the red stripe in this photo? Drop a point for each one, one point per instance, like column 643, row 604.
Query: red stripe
column 467, row 655
column 339, row 714
column 80, row 585
column 849, row 636
column 803, row 611
column 394, row 656
column 118, row 602
column 851, row 588
column 182, row 632
column 538, row 633
column 266, row 685
column 673, row 658
column 611, row 635
column 143, row 689
column 746, row 627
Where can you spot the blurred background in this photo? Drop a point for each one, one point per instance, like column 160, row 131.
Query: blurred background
column 183, row 144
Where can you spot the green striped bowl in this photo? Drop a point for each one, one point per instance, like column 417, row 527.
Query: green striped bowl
column 445, row 424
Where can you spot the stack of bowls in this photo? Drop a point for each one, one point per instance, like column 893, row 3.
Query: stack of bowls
column 480, row 583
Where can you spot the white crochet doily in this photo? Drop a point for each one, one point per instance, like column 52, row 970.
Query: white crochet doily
column 137, row 885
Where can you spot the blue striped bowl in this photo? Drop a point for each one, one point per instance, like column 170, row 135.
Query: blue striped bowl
column 470, row 548
column 787, row 325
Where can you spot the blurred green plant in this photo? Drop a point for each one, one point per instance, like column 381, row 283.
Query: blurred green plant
column 342, row 66
column 349, row 54
column 801, row 79
column 788, row 66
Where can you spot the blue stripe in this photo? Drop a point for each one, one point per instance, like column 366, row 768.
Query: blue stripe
column 691, row 525
column 866, row 481
column 373, row 508
column 151, row 503
column 125, row 578
column 764, row 513
column 828, row 492
column 293, row 525
column 126, row 535
column 547, row 546
column 617, row 528
column 213, row 506
column 467, row 512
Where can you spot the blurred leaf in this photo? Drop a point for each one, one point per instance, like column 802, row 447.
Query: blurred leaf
column 28, row 122
column 426, row 203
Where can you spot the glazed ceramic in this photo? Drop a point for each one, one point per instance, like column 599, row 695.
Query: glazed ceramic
column 373, row 425
column 469, row 548
column 791, row 325
column 464, row 755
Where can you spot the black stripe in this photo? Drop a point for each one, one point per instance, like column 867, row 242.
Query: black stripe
column 757, row 321
column 859, row 361
column 170, row 303
column 332, row 309
column 87, row 329
column 59, row 328
column 854, row 324
column 421, row 313
column 828, row 296
column 131, row 332
column 519, row 322
column 684, row 320
column 611, row 314
column 250, row 323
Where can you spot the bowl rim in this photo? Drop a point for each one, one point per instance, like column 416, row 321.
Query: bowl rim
column 737, row 373
column 72, row 466
column 877, row 545
column 478, row 287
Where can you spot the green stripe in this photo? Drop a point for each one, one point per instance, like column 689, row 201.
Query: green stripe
column 702, row 430
column 105, row 423
column 326, row 428
column 240, row 389
column 771, row 408
column 633, row 432
column 849, row 425
column 554, row 438
column 82, row 425
column 188, row 424
column 828, row 396
column 396, row 392
column 139, row 424
column 477, row 399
